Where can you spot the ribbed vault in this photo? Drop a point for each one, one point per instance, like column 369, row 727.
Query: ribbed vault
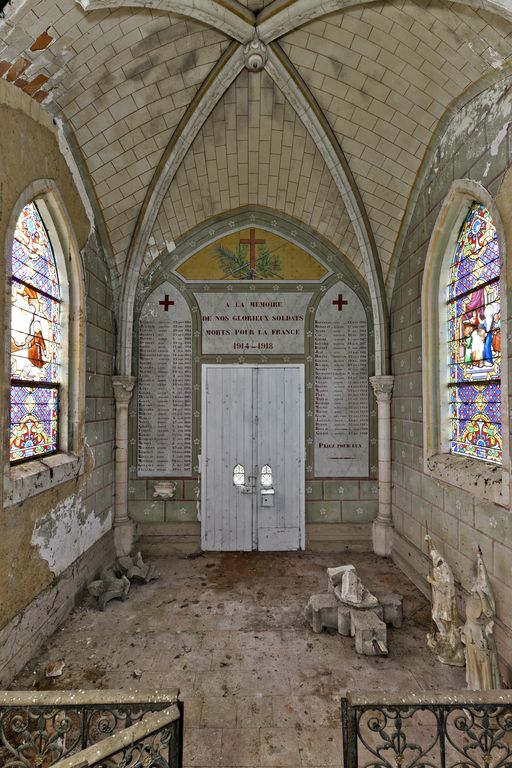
column 254, row 150
column 384, row 75
column 136, row 82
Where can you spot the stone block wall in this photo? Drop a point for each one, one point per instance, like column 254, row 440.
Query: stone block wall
column 474, row 144
column 99, row 401
column 55, row 526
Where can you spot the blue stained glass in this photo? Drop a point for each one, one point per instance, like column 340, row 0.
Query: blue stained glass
column 33, row 421
column 474, row 349
column 35, row 339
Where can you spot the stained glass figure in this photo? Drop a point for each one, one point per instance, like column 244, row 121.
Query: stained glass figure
column 35, row 340
column 474, row 339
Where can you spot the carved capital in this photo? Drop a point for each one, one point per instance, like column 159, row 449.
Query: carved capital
column 255, row 55
column 123, row 388
column 382, row 387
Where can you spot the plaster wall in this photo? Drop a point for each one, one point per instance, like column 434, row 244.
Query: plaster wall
column 46, row 534
column 475, row 144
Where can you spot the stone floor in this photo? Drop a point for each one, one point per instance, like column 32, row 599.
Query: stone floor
column 260, row 689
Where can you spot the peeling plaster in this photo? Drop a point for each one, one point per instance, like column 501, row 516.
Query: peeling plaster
column 488, row 104
column 500, row 138
column 67, row 531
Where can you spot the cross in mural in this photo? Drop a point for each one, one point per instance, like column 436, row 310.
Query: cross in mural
column 340, row 302
column 166, row 303
column 260, row 264
column 252, row 242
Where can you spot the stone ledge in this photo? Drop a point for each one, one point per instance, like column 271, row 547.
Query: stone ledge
column 483, row 480
column 30, row 478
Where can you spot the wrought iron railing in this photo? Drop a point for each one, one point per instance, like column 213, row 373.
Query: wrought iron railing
column 432, row 730
column 75, row 729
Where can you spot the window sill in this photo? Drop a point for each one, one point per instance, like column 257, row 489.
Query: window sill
column 25, row 480
column 485, row 481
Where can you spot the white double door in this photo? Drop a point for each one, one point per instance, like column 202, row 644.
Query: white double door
column 253, row 455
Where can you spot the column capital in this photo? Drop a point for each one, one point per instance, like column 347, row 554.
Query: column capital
column 123, row 388
column 382, row 387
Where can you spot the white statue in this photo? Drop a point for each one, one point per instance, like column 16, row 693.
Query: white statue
column 445, row 639
column 482, row 672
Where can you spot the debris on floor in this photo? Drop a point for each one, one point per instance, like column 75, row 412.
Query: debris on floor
column 351, row 609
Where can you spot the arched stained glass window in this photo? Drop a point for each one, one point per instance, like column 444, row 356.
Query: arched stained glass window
column 474, row 339
column 35, row 340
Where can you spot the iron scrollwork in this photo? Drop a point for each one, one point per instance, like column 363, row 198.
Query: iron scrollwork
column 427, row 735
column 38, row 736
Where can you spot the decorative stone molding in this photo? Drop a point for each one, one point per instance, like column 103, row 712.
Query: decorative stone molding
column 382, row 387
column 255, row 55
column 382, row 533
column 123, row 388
column 164, row 489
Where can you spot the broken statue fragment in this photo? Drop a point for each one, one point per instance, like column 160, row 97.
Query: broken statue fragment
column 444, row 639
column 350, row 609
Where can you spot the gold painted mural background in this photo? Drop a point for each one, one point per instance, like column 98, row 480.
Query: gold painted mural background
column 252, row 254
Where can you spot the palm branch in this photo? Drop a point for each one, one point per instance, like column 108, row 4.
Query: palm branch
column 267, row 264
column 232, row 262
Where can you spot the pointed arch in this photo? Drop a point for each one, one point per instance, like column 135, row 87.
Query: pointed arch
column 223, row 74
column 281, row 17
column 297, row 93
column 490, row 482
column 231, row 17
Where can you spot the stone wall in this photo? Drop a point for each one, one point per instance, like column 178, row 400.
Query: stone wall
column 47, row 536
column 474, row 144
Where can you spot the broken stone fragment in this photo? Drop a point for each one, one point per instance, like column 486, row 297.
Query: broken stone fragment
column 54, row 668
column 344, row 582
column 322, row 611
column 108, row 587
column 136, row 568
column 351, row 609
column 369, row 633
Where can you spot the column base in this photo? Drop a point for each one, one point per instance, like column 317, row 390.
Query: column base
column 124, row 537
column 382, row 537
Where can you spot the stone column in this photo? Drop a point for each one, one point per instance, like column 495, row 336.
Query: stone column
column 382, row 533
column 123, row 526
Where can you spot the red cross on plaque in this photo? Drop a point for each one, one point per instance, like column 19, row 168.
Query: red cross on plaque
column 340, row 302
column 252, row 242
column 166, row 303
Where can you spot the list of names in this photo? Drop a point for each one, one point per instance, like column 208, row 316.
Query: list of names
column 165, row 386
column 341, row 386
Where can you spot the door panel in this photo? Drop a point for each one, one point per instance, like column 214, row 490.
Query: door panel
column 278, row 406
column 253, row 416
column 227, row 441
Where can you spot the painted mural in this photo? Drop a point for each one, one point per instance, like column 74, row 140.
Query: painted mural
column 252, row 254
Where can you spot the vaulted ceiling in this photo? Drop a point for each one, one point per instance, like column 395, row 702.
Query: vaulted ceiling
column 169, row 128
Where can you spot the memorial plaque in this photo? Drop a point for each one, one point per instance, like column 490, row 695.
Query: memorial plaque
column 165, row 385
column 253, row 323
column 341, row 385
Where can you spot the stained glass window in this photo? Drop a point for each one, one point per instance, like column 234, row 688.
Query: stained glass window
column 474, row 339
column 35, row 340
